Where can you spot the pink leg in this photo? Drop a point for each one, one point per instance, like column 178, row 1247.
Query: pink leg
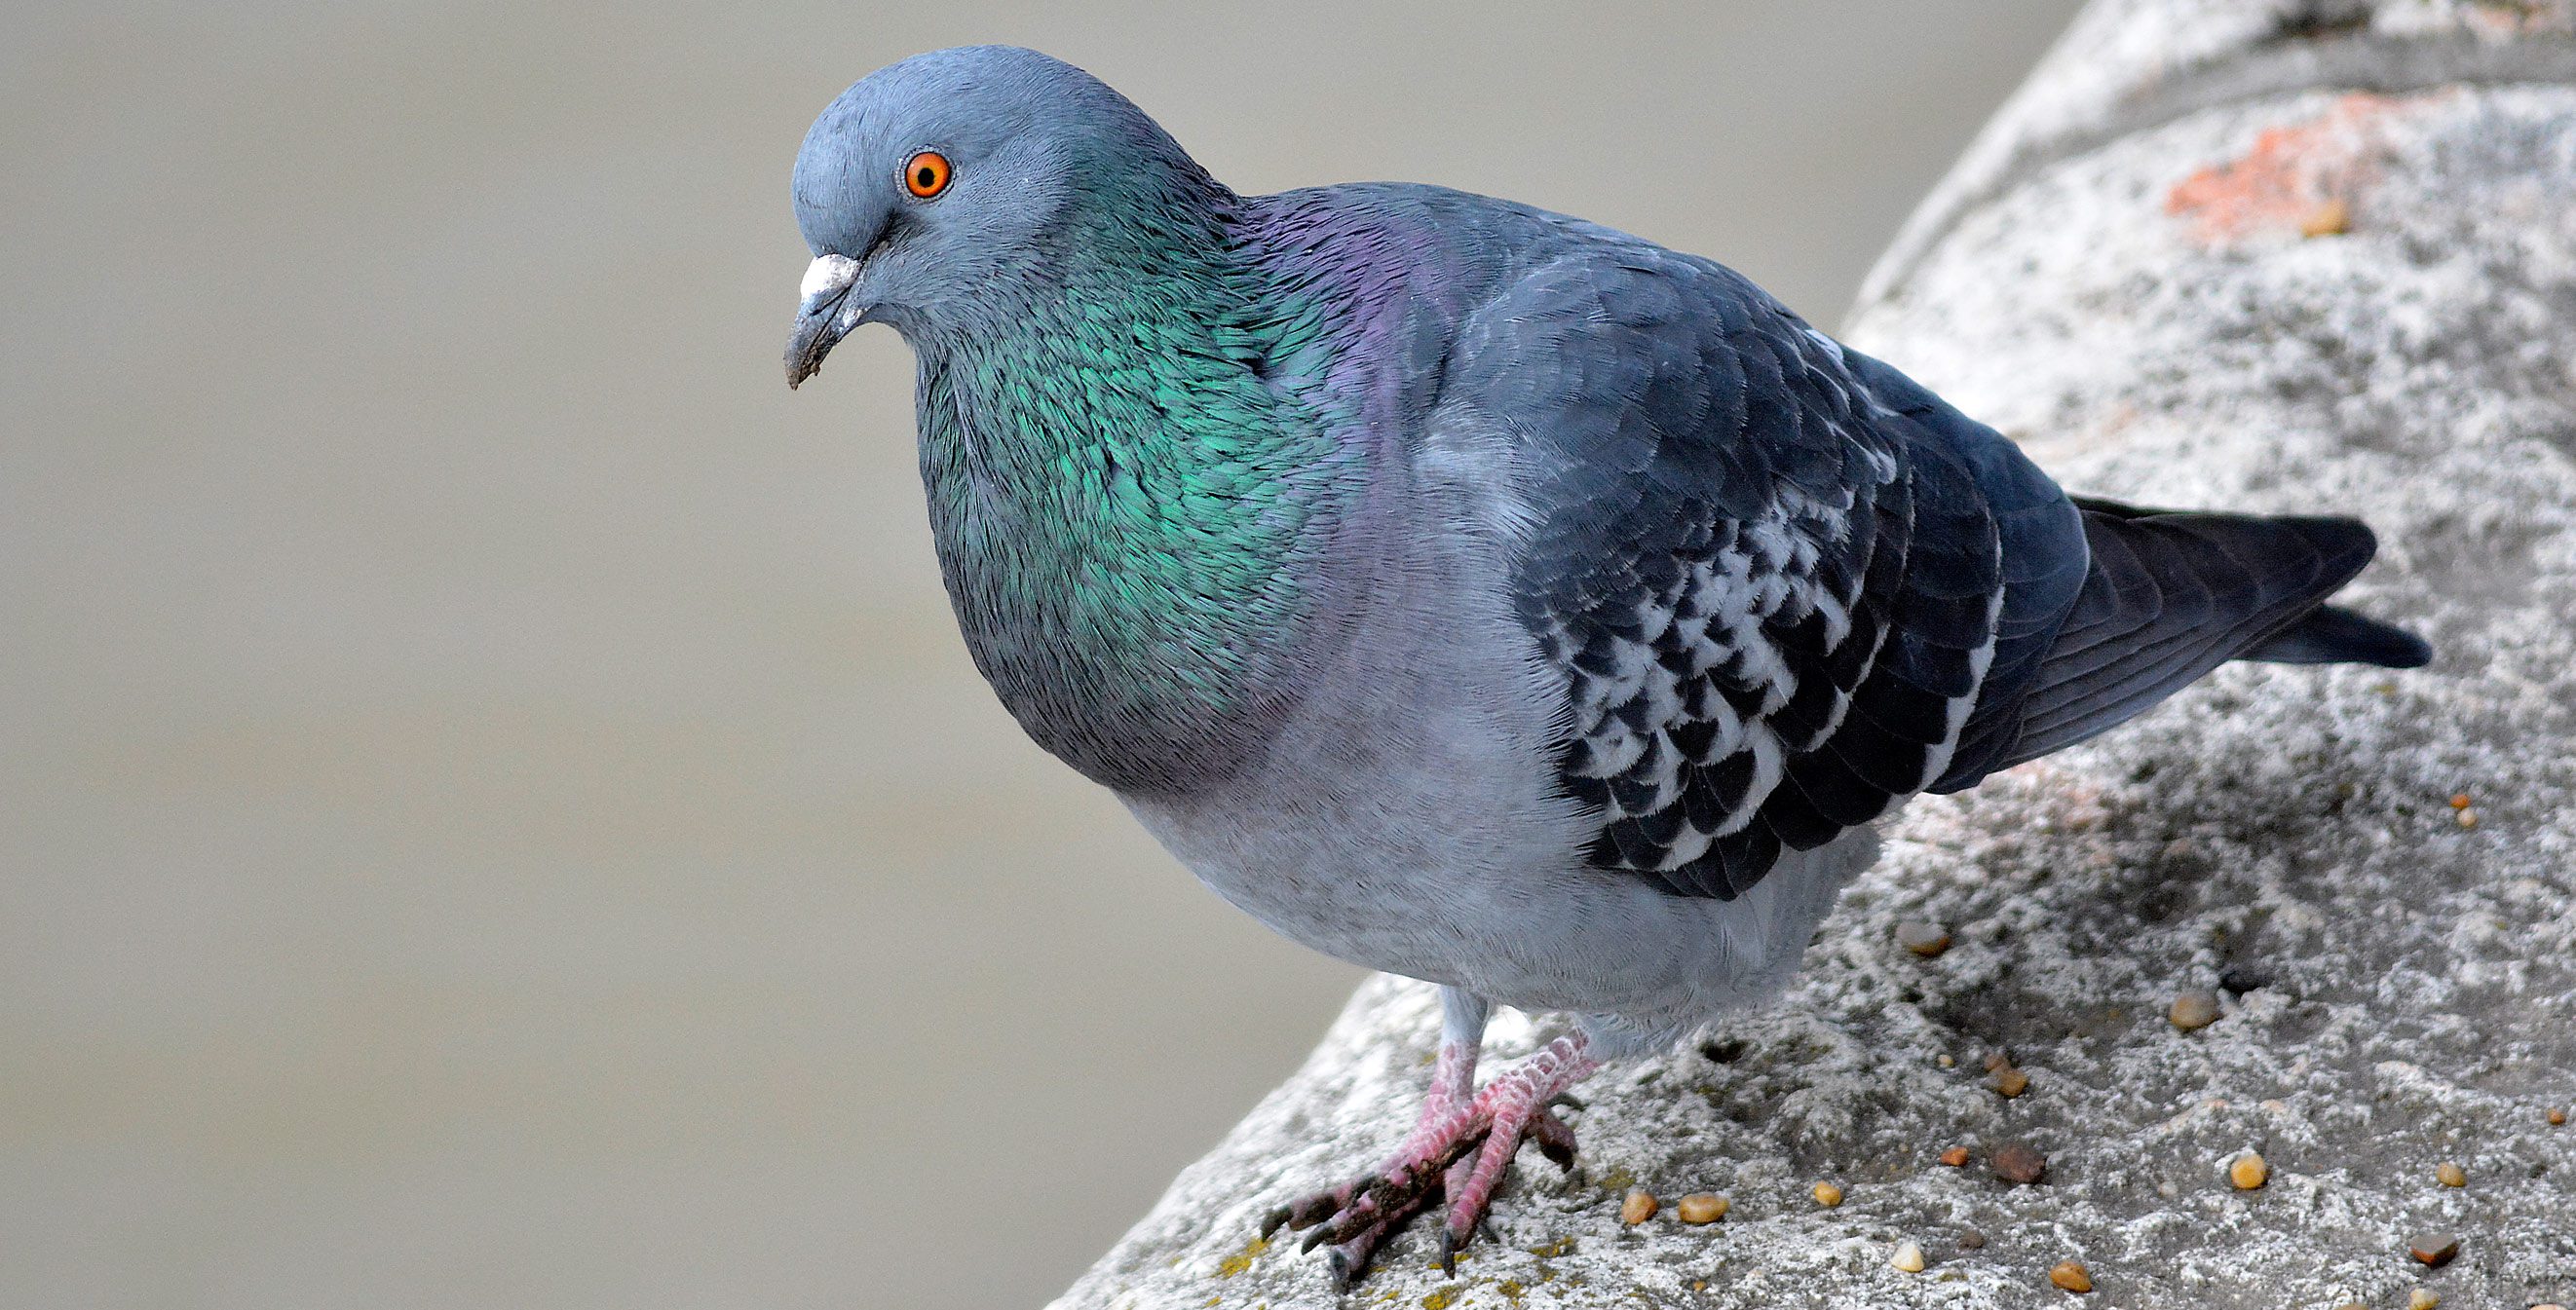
column 1392, row 1192
column 1514, row 1106
column 1453, row 1086
column 1441, row 1156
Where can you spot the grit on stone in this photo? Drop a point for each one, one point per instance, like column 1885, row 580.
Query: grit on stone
column 2122, row 275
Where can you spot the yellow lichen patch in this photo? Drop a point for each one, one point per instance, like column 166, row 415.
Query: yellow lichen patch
column 1619, row 1179
column 1242, row 1260
column 1440, row 1300
column 1561, row 1246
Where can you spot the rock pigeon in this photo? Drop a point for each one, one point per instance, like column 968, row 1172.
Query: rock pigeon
column 1472, row 592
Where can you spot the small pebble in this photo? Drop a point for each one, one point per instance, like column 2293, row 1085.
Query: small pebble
column 2422, row 1298
column 2467, row 818
column 1998, row 1060
column 2193, row 1010
column 1828, row 1195
column 2450, row 1175
column 1702, row 1208
column 2071, row 1276
column 2333, row 218
column 2434, row 1249
column 1908, row 1258
column 2016, row 1162
column 2010, row 1082
column 1970, row 1239
column 2549, row 1305
column 1944, row 1060
column 1955, row 1156
column 2556, row 1116
column 1924, row 939
column 2242, row 978
column 1639, row 1207
column 2249, row 1172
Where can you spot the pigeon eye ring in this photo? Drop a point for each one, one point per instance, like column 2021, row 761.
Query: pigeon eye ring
column 926, row 174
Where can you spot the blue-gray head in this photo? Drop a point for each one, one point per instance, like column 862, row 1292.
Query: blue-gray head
column 939, row 193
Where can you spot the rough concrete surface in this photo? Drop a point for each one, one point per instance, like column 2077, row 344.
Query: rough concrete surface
column 2291, row 296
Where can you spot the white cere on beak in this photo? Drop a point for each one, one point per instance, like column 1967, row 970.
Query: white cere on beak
column 827, row 277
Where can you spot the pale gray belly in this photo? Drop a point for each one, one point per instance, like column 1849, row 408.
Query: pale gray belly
column 1406, row 819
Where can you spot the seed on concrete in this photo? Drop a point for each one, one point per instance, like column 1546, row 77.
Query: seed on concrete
column 2422, row 1298
column 2016, row 1162
column 1828, row 1195
column 1970, row 1239
column 2461, row 801
column 2333, row 218
column 2248, row 1172
column 1701, row 1208
column 2467, row 818
column 1639, row 1207
column 2450, row 1175
column 2193, row 1010
column 1924, row 939
column 1908, row 1258
column 2556, row 1116
column 2071, row 1276
column 2010, row 1082
column 2434, row 1249
column 1955, row 1156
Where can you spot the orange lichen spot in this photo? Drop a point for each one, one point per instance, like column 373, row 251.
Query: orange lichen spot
column 2300, row 178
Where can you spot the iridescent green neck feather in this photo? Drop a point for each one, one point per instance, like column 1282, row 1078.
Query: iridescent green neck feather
column 1132, row 485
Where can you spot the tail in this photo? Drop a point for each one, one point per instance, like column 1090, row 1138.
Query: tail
column 2171, row 596
column 2332, row 634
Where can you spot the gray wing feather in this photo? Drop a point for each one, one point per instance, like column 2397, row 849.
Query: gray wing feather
column 1770, row 569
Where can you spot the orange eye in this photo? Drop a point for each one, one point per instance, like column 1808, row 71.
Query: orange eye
column 926, row 174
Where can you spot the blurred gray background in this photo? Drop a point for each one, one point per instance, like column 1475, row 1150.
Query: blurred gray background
column 493, row 810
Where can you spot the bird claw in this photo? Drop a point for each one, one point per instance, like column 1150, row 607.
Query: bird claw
column 1353, row 1219
column 1459, row 1158
column 1553, row 1138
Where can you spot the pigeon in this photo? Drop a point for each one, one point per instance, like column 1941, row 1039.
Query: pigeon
column 1476, row 593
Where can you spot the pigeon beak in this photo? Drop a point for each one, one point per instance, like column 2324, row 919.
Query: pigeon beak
column 822, row 316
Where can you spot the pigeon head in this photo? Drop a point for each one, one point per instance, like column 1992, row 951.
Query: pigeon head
column 943, row 192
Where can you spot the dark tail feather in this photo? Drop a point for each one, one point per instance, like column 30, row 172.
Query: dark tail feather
column 2335, row 635
column 2172, row 596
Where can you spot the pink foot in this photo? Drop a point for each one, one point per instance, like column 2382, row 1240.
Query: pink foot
column 1458, row 1149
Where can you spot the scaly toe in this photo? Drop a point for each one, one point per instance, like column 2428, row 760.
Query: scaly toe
column 1553, row 1138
